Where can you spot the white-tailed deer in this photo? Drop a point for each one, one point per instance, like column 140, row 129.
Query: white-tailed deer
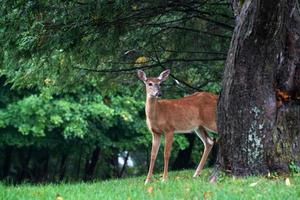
column 168, row 116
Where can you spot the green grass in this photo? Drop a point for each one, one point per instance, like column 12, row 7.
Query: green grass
column 180, row 185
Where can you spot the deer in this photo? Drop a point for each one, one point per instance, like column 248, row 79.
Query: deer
column 195, row 112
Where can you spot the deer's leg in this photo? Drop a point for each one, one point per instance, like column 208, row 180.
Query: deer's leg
column 167, row 152
column 154, row 151
column 208, row 144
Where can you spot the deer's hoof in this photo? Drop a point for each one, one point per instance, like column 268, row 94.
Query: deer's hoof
column 213, row 179
column 147, row 181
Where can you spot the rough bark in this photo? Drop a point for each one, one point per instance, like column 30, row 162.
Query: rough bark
column 258, row 110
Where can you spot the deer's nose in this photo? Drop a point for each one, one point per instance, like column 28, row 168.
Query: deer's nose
column 158, row 94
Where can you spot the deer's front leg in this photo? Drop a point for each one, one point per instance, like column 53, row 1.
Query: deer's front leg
column 168, row 146
column 154, row 151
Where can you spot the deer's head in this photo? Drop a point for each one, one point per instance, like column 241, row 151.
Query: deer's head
column 153, row 83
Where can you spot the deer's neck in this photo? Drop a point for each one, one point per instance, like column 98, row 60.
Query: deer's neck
column 152, row 107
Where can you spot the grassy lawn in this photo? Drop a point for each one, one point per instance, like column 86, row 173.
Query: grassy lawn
column 180, row 185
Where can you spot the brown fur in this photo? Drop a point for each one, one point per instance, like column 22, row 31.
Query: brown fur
column 195, row 112
column 184, row 114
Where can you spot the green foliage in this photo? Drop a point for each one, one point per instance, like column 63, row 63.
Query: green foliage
column 40, row 114
column 180, row 185
column 68, row 80
column 295, row 169
column 59, row 122
column 46, row 43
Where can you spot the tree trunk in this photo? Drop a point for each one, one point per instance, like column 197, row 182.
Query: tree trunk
column 24, row 156
column 7, row 161
column 46, row 167
column 121, row 173
column 258, row 110
column 91, row 164
column 79, row 164
column 114, row 164
column 63, row 166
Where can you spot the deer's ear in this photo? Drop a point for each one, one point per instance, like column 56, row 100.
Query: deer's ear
column 164, row 75
column 142, row 75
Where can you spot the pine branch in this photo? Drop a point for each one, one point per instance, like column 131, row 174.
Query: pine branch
column 175, row 78
column 198, row 31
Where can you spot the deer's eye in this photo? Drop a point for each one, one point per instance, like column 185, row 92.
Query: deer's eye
column 150, row 84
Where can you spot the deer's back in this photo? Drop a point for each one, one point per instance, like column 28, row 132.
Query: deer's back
column 187, row 113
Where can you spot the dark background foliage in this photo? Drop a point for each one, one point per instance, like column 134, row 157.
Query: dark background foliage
column 71, row 106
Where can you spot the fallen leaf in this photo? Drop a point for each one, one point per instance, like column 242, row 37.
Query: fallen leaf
column 287, row 182
column 177, row 177
column 253, row 184
column 207, row 194
column 150, row 189
column 58, row 197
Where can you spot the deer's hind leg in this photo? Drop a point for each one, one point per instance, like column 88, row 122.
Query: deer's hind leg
column 208, row 144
